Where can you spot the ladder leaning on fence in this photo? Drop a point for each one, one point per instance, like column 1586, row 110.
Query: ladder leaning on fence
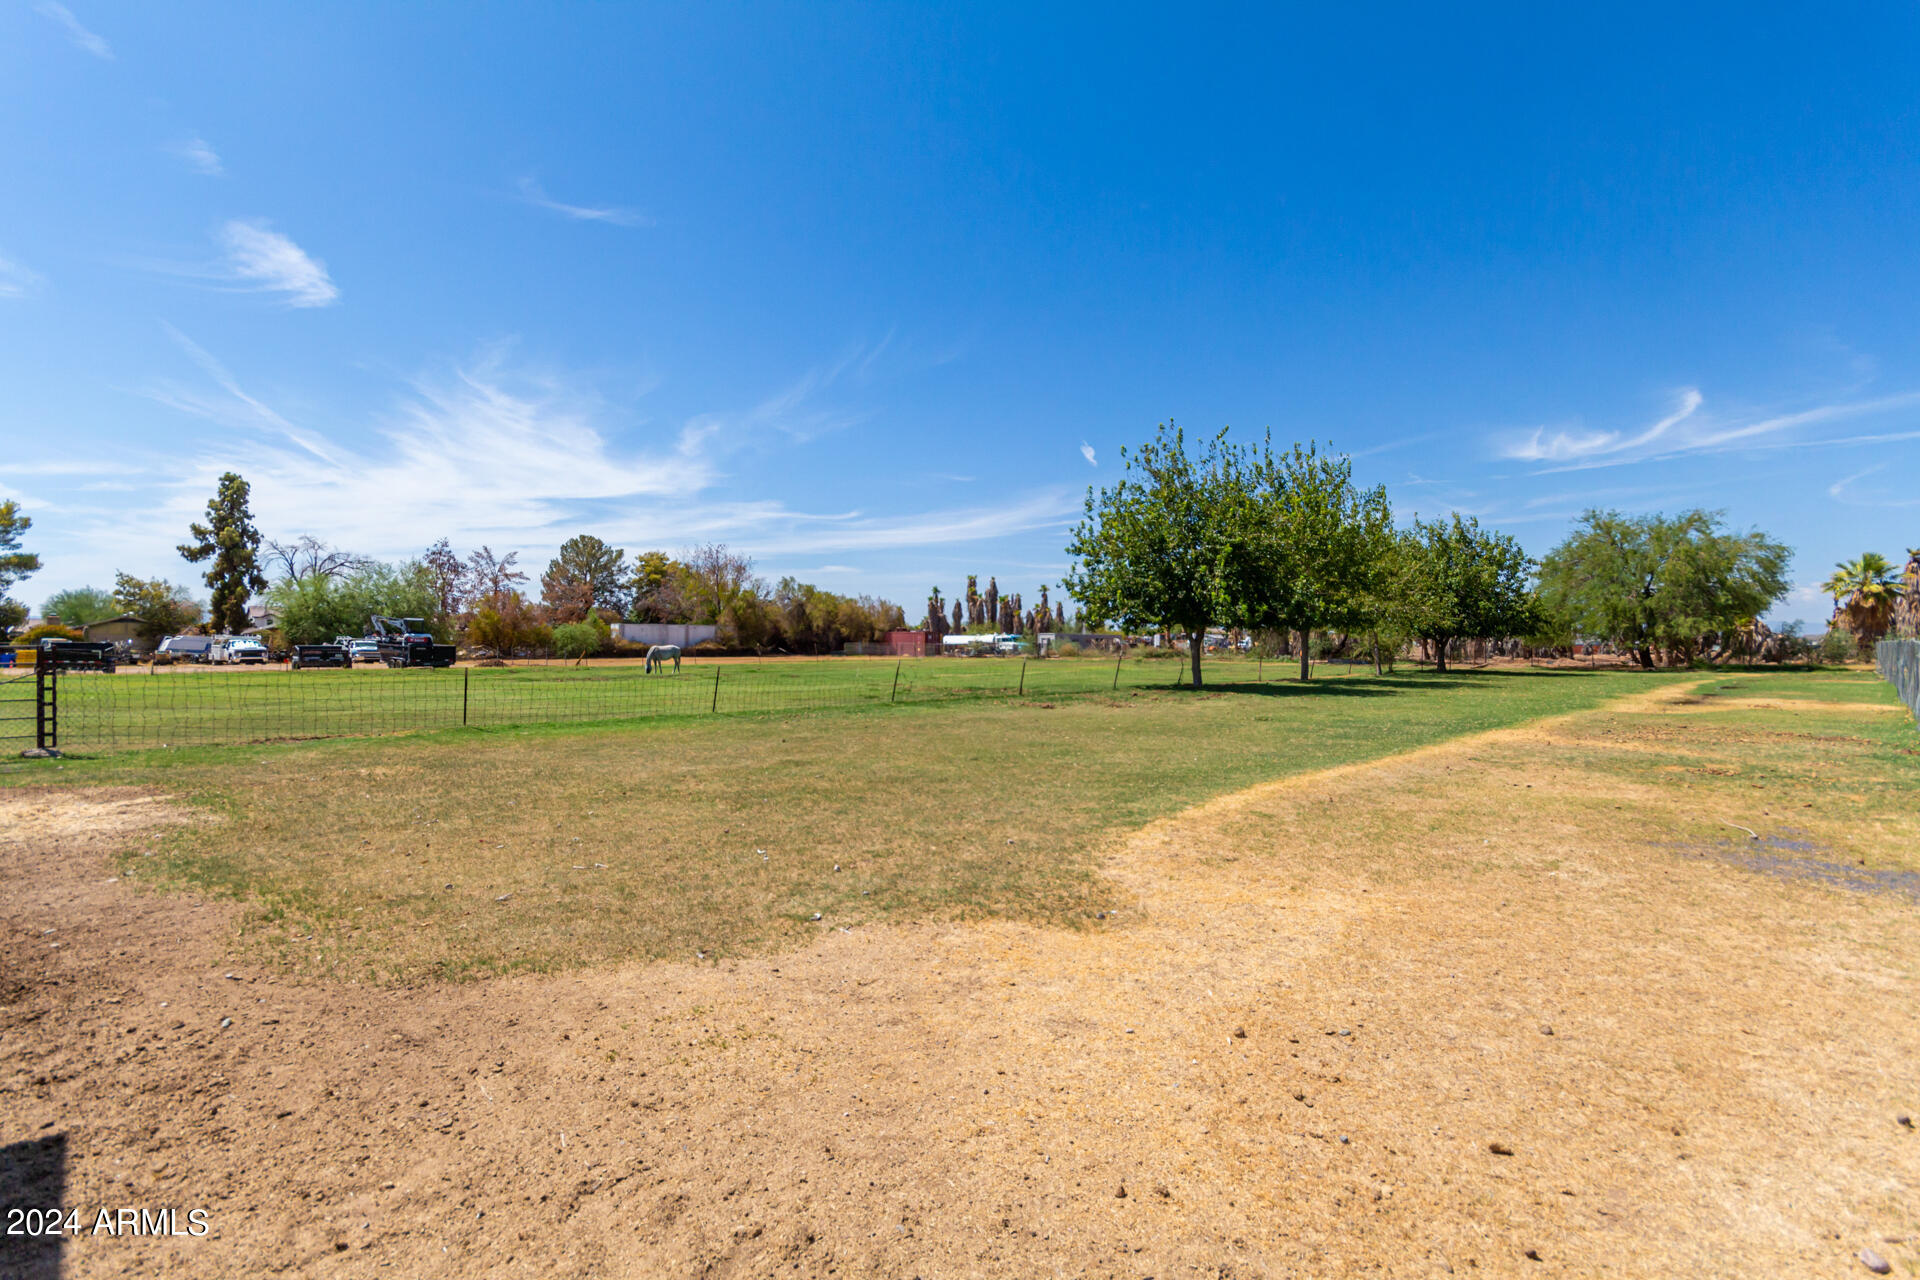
column 1899, row 664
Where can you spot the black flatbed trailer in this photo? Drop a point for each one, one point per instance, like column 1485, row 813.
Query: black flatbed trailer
column 319, row 655
column 76, row 655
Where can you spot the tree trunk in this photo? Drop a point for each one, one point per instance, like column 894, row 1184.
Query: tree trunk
column 1196, row 641
column 1306, row 660
column 1376, row 653
column 1644, row 656
column 1440, row 654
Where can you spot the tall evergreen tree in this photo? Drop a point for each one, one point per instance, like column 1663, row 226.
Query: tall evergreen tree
column 586, row 575
column 231, row 542
column 15, row 564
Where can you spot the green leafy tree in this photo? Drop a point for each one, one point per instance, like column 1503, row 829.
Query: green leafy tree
column 1309, row 547
column 316, row 609
column 586, row 575
column 1152, row 551
column 579, row 640
column 659, row 589
column 717, row 576
column 1665, row 582
column 230, row 541
column 163, row 608
column 1453, row 579
column 78, row 606
column 505, row 624
column 15, row 564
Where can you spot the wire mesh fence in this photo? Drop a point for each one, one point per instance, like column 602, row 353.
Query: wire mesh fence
column 19, row 711
column 98, row 711
column 1899, row 664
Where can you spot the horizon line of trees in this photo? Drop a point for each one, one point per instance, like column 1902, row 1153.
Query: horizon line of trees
column 1234, row 535
column 1242, row 535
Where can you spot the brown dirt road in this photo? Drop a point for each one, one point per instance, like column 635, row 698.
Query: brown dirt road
column 1337, row 1005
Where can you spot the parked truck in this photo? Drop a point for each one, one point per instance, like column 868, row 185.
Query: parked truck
column 405, row 642
column 238, row 649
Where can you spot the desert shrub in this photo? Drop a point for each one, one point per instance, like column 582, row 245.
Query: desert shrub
column 1067, row 649
column 1837, row 645
column 575, row 639
column 48, row 631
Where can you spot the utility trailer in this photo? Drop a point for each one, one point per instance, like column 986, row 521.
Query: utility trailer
column 77, row 655
column 405, row 642
column 319, row 655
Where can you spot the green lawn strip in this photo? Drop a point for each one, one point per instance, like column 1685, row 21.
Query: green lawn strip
column 1843, row 783
column 190, row 707
column 670, row 837
column 1831, row 685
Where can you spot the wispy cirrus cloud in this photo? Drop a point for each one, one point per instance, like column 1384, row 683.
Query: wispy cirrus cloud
column 1567, row 444
column 81, row 37
column 804, row 410
column 615, row 215
column 1849, row 490
column 261, row 259
column 233, row 407
column 16, row 281
column 488, row 453
column 198, row 155
column 1690, row 428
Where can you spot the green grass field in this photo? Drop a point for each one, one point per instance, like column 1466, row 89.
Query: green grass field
column 472, row 851
column 190, row 707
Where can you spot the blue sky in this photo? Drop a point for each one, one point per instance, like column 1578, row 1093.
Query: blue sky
column 875, row 292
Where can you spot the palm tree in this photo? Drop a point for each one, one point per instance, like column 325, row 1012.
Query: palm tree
column 1864, row 593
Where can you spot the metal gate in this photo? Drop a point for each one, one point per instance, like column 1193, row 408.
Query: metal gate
column 21, row 716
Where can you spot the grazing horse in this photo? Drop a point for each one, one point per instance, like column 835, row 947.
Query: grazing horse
column 660, row 654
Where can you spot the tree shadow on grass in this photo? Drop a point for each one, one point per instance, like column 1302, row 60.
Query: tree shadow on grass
column 1372, row 686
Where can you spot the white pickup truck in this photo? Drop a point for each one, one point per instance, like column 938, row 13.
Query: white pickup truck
column 230, row 649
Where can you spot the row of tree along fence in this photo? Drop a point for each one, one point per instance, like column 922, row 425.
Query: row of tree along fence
column 1899, row 664
column 93, row 711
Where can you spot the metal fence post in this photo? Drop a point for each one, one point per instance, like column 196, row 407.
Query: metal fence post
column 896, row 682
column 1023, row 679
column 716, row 689
column 1116, row 668
column 466, row 676
column 46, row 705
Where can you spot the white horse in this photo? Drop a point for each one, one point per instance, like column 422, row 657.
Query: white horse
column 660, row 654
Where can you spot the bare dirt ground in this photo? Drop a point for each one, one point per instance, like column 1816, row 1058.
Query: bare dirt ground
column 1455, row 1012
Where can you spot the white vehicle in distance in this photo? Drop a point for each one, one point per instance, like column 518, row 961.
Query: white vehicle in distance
column 183, row 649
column 361, row 648
column 231, row 649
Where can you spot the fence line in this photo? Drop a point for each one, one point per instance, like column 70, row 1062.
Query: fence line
column 98, row 711
column 1899, row 664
